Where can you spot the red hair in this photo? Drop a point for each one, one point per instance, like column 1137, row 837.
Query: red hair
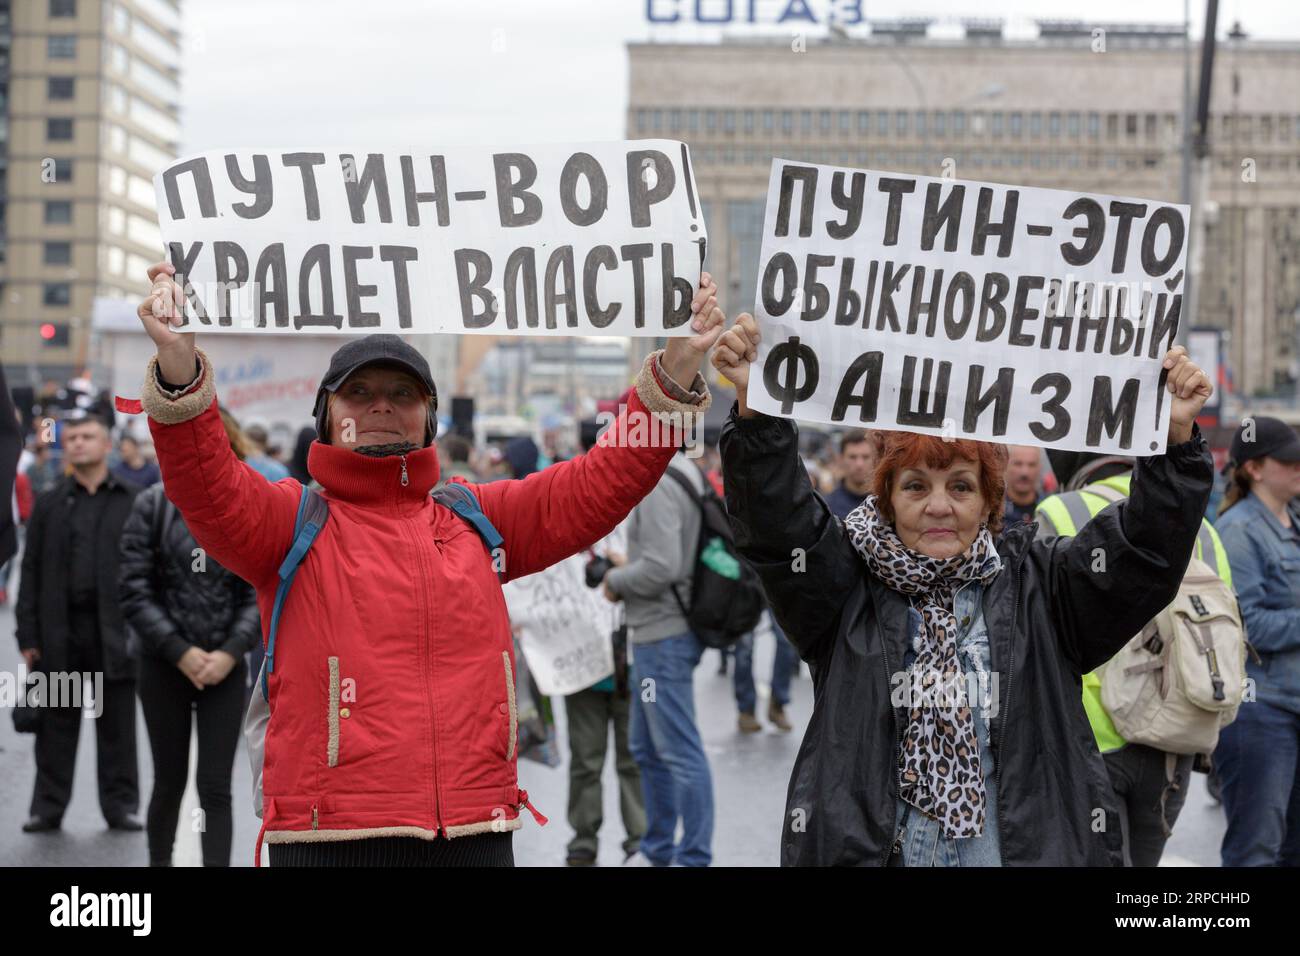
column 907, row 449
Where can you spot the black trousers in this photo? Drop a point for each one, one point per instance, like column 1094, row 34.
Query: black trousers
column 1147, row 800
column 484, row 849
column 60, row 730
column 171, row 704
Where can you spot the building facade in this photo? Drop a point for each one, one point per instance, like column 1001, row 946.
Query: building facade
column 1086, row 107
column 91, row 104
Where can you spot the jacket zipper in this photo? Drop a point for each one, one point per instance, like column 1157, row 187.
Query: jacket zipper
column 428, row 663
column 893, row 723
column 405, row 480
column 1000, row 756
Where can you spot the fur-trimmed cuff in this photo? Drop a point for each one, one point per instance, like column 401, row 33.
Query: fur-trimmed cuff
column 172, row 411
column 668, row 410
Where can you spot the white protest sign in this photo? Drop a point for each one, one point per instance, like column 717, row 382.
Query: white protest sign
column 565, row 626
column 967, row 310
column 595, row 239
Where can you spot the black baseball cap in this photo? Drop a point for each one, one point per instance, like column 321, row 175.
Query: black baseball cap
column 1270, row 437
column 382, row 348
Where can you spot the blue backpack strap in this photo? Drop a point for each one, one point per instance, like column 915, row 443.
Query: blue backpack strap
column 313, row 512
column 464, row 502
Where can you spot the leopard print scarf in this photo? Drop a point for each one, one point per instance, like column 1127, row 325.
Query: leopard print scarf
column 939, row 769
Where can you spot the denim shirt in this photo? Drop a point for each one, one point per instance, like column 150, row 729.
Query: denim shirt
column 923, row 842
column 1265, row 559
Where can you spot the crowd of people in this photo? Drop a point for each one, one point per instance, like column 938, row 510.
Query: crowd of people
column 891, row 562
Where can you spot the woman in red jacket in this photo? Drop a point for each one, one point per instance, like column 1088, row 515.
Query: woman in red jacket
column 392, row 731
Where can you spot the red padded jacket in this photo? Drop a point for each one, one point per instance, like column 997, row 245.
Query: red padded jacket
column 392, row 697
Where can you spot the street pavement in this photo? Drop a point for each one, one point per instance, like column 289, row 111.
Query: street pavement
column 750, row 774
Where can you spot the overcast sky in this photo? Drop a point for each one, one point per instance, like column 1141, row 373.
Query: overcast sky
column 425, row 72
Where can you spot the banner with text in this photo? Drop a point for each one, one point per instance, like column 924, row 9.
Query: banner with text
column 966, row 309
column 597, row 239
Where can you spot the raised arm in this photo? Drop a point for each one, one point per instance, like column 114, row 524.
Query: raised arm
column 1126, row 564
column 783, row 528
column 239, row 519
column 560, row 510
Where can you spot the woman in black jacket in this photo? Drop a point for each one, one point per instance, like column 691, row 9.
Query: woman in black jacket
column 195, row 622
column 948, row 727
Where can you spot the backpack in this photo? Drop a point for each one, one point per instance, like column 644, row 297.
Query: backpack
column 726, row 597
column 1175, row 684
column 313, row 512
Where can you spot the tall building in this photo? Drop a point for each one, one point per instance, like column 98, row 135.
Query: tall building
column 90, row 91
column 1084, row 106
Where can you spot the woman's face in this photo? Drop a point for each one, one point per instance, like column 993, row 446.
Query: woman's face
column 378, row 406
column 938, row 512
column 1281, row 478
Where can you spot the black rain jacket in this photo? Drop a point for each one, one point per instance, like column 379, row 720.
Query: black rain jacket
column 1051, row 618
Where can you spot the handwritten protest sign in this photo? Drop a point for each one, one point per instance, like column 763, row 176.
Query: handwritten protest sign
column 967, row 310
column 566, row 625
column 598, row 239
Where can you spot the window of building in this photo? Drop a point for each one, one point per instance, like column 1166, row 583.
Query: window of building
column 61, row 46
column 58, row 212
column 845, row 125
column 657, row 120
column 749, row 122
column 60, row 88
column 63, row 170
column 1112, row 125
column 1054, row 125
column 63, row 8
column 711, row 121
column 58, row 253
column 864, row 122
column 729, row 121
column 121, row 20
column 675, row 120
column 920, row 123
column 1035, row 125
column 997, row 124
column 693, row 120
column 824, row 122
column 57, row 293
column 940, row 124
column 642, row 121
column 882, row 122
column 1130, row 124
column 729, row 155
column 900, row 123
column 787, row 122
column 1094, row 125
column 1072, row 124
column 958, row 122
column 805, row 121
column 1015, row 124
column 769, row 121
column 1284, row 127
column 1149, row 126
column 58, row 128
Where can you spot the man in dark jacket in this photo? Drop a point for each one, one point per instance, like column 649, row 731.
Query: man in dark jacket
column 69, row 621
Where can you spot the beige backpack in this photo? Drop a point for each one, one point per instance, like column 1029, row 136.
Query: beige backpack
column 1174, row 685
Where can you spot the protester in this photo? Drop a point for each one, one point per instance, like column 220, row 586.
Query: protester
column 914, row 579
column 258, row 459
column 195, row 624
column 69, row 621
column 859, row 454
column 45, row 472
column 301, row 449
column 1258, row 757
column 654, row 584
column 1024, row 475
column 784, row 661
column 386, row 723
column 521, row 454
column 134, row 467
column 454, row 453
column 1150, row 784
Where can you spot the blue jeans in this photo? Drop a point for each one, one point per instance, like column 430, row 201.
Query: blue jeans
column 666, row 745
column 782, row 668
column 1256, row 760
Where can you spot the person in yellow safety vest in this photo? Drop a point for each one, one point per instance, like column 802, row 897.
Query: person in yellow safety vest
column 1149, row 795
